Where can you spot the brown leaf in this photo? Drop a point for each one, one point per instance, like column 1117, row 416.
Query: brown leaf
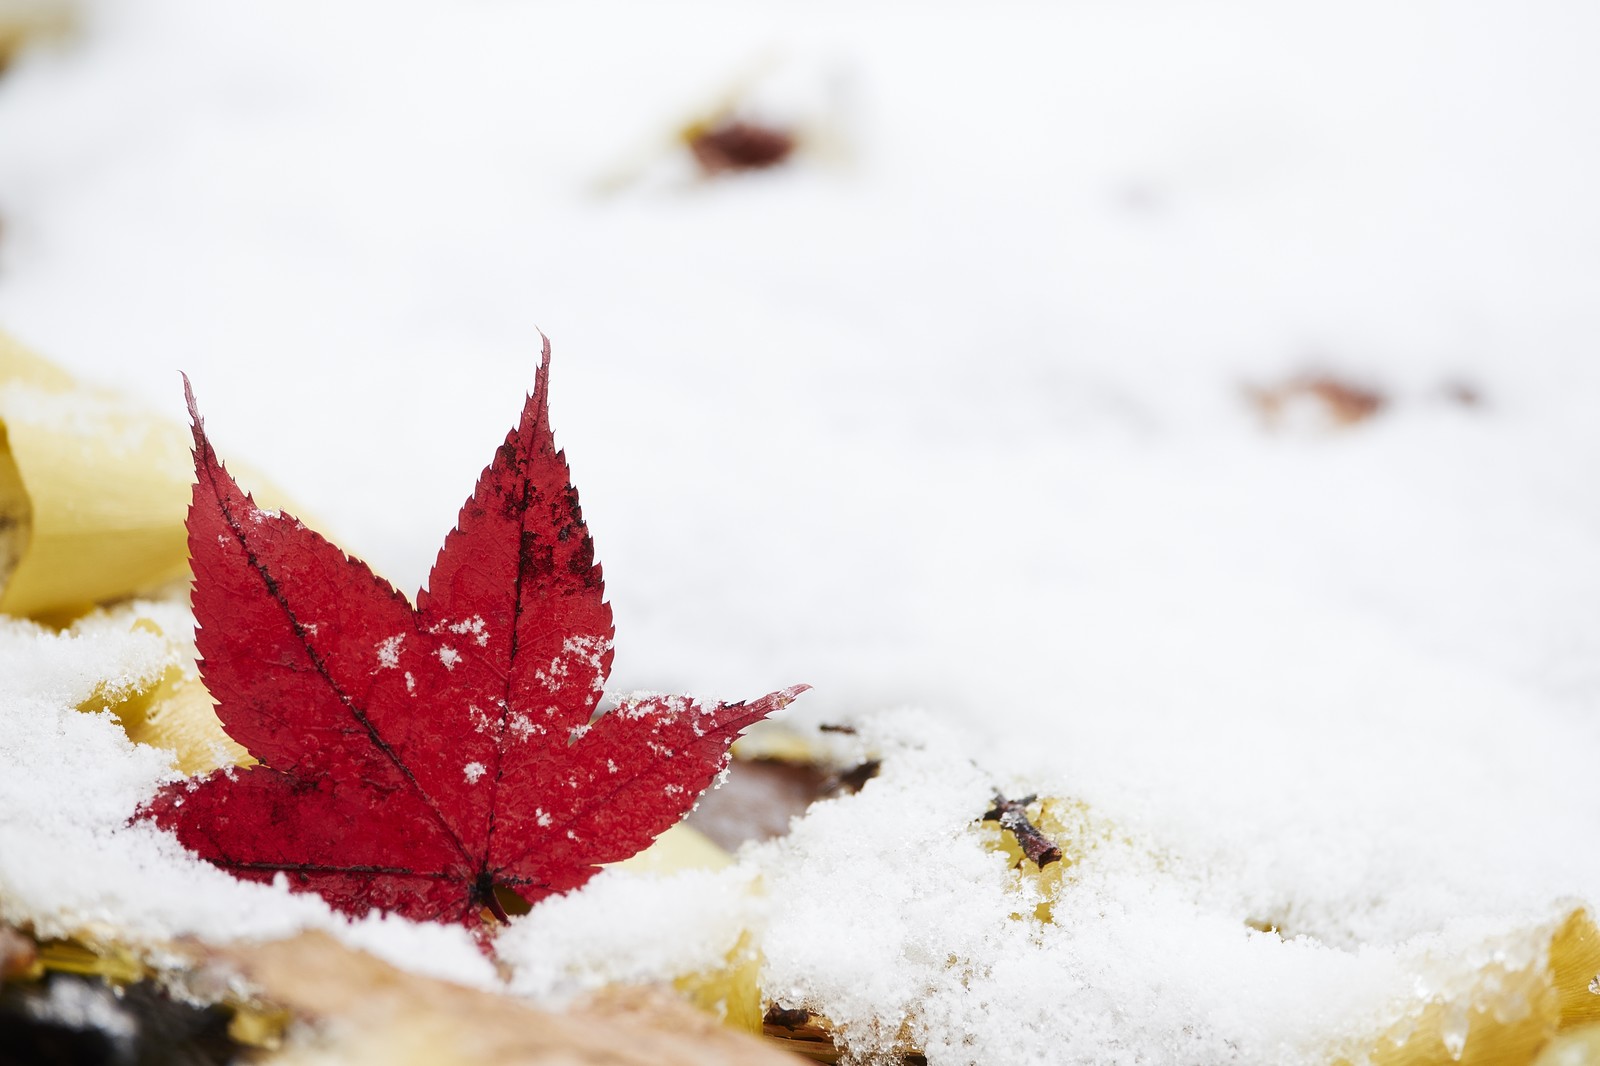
column 760, row 796
column 355, row 1009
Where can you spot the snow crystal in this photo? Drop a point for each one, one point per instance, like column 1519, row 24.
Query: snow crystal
column 474, row 626
column 389, row 653
column 473, row 771
column 523, row 727
column 449, row 656
column 591, row 650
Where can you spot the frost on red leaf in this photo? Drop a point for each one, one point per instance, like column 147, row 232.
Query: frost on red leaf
column 416, row 760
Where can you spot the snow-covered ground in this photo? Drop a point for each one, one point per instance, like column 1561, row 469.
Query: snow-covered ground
column 950, row 412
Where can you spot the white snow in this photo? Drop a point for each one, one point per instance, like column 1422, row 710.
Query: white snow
column 580, row 942
column 389, row 652
column 80, row 1006
column 475, row 626
column 950, row 413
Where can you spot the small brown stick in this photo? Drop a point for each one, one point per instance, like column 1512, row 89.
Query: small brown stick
column 786, row 1017
column 1013, row 817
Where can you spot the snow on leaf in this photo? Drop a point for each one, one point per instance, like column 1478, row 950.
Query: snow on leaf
column 383, row 782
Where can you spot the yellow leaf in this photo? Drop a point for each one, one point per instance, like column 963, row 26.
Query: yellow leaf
column 174, row 712
column 94, row 491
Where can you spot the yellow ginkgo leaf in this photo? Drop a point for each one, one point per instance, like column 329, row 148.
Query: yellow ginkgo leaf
column 94, row 490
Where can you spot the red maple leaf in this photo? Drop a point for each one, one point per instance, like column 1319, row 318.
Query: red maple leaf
column 417, row 760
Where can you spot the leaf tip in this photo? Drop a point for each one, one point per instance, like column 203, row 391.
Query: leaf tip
column 188, row 397
column 197, row 424
column 771, row 703
column 541, row 377
column 536, row 405
column 783, row 697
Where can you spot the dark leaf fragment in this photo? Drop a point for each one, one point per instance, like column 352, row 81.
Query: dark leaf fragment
column 761, row 796
column 734, row 145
